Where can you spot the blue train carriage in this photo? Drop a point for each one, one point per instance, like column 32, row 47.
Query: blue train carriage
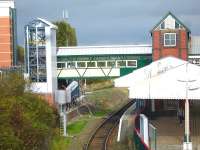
column 93, row 62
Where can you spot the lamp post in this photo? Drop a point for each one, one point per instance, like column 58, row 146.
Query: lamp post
column 187, row 144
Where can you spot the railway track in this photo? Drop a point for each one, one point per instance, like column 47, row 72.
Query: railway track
column 99, row 139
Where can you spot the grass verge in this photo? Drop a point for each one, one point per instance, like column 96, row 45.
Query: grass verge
column 76, row 127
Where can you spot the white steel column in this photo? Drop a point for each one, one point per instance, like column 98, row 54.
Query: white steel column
column 187, row 121
column 187, row 145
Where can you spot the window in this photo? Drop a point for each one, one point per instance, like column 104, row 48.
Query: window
column 121, row 63
column 132, row 63
column 71, row 64
column 111, row 64
column 60, row 65
column 81, row 64
column 101, row 64
column 170, row 39
column 91, row 64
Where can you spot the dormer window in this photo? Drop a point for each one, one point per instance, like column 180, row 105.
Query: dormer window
column 170, row 39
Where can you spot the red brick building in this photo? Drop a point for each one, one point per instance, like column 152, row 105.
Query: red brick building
column 7, row 34
column 170, row 37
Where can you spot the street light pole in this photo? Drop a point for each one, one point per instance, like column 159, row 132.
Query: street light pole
column 187, row 111
column 187, row 145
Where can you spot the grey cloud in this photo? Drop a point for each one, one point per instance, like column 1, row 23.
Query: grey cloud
column 110, row 21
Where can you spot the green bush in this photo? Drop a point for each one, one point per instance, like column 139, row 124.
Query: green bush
column 26, row 121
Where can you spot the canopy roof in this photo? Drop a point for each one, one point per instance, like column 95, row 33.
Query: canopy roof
column 153, row 69
column 166, row 84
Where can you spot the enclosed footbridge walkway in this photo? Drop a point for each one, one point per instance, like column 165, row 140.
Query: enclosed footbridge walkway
column 101, row 61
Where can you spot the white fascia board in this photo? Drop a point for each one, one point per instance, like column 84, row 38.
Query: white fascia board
column 48, row 23
column 104, row 50
column 4, row 12
column 7, row 4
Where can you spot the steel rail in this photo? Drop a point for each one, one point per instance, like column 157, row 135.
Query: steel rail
column 100, row 136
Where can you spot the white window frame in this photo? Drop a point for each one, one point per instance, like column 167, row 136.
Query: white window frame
column 131, row 66
column 114, row 66
column 170, row 45
column 70, row 67
column 119, row 66
column 61, row 63
column 81, row 62
column 101, row 66
column 95, row 64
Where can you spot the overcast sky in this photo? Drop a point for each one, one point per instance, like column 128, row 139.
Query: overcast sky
column 99, row 22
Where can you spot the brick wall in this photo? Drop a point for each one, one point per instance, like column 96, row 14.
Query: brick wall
column 6, row 51
column 180, row 50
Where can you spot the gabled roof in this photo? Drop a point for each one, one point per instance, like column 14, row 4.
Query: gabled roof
column 169, row 13
column 48, row 23
column 45, row 22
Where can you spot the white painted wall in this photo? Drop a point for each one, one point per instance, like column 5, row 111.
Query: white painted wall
column 51, row 59
column 91, row 72
column 7, row 3
column 54, row 59
column 39, row 87
column 170, row 22
column 4, row 12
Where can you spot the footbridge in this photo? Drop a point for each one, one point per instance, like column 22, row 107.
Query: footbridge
column 83, row 62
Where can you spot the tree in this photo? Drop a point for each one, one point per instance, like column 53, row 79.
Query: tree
column 20, row 54
column 26, row 120
column 66, row 34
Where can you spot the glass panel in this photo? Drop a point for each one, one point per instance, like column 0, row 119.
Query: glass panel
column 131, row 64
column 60, row 65
column 32, row 53
column 167, row 42
column 71, row 64
column 32, row 37
column 91, row 64
column 170, row 39
column 33, row 61
column 41, row 37
column 121, row 63
column 173, row 36
column 42, row 72
column 41, row 52
column 101, row 64
column 173, row 42
column 42, row 60
column 111, row 63
column 81, row 64
column 166, row 36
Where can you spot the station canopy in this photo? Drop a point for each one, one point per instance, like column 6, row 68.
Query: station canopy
column 168, row 78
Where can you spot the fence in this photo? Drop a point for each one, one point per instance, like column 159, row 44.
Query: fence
column 126, row 124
